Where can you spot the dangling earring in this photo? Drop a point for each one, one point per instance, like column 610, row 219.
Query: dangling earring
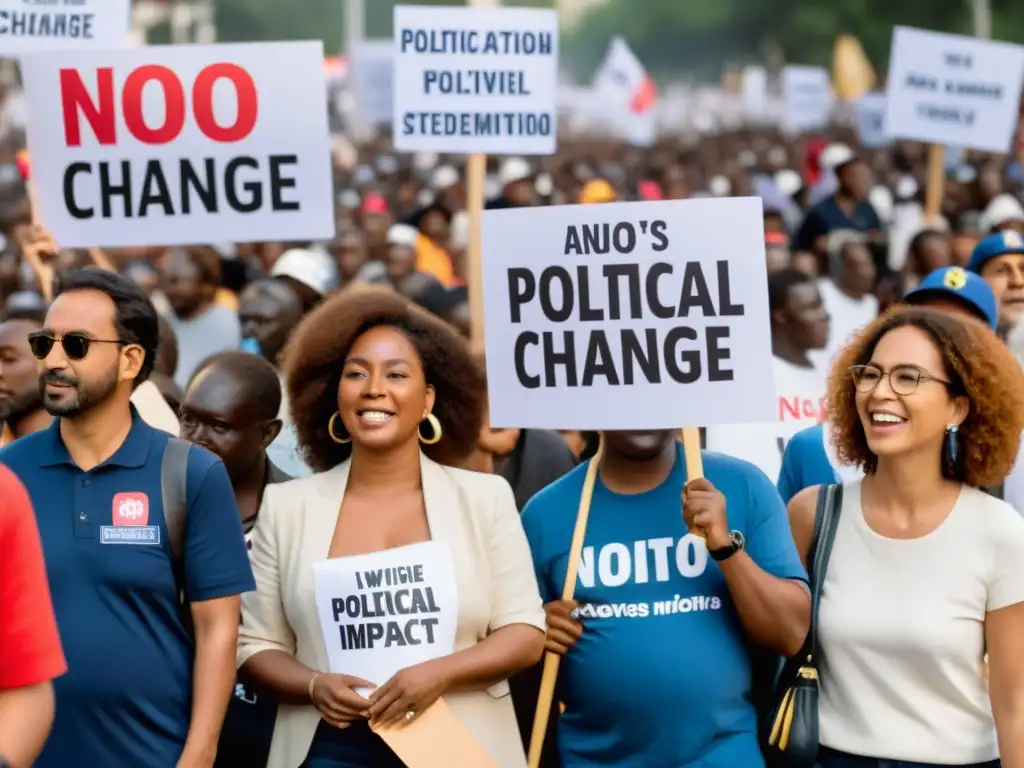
column 952, row 459
column 330, row 430
column 435, row 430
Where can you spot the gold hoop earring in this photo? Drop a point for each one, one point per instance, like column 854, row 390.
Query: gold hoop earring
column 330, row 430
column 435, row 428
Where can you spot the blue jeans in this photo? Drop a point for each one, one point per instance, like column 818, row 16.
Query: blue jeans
column 830, row 758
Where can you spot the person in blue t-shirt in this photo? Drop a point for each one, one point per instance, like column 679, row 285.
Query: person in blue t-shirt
column 145, row 685
column 807, row 461
column 656, row 668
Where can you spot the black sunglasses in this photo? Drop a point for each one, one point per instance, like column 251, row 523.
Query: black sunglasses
column 76, row 345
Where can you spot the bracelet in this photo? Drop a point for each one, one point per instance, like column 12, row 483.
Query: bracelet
column 312, row 682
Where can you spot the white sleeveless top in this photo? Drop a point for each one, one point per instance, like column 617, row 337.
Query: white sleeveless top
column 901, row 632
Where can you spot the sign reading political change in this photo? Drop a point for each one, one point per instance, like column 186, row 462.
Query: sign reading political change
column 955, row 90
column 47, row 25
column 475, row 80
column 627, row 315
column 173, row 145
column 389, row 610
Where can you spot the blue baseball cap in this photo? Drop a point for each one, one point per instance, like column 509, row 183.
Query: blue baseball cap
column 958, row 285
column 1009, row 241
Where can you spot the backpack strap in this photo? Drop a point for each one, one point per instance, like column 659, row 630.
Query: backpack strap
column 174, row 493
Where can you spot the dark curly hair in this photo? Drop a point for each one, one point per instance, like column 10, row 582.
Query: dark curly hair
column 316, row 353
column 979, row 366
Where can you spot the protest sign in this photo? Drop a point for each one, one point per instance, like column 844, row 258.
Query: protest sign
column 951, row 89
column 628, row 315
column 50, row 26
column 180, row 144
column 475, row 80
column 372, row 66
column 388, row 610
column 870, row 112
column 807, row 92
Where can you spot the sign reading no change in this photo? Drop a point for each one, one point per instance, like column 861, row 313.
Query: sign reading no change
column 955, row 90
column 627, row 315
column 172, row 145
column 51, row 26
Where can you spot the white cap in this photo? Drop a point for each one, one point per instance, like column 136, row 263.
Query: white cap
column 906, row 188
column 1002, row 209
column 719, row 186
column 313, row 268
column 835, row 155
column 444, row 178
column 514, row 169
column 788, row 182
column 402, row 234
column 545, row 184
column 881, row 200
column 425, row 197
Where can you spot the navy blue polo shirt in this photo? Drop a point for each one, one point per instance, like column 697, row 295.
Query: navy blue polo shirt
column 126, row 699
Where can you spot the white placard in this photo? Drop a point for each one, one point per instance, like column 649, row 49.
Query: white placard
column 870, row 111
column 389, row 610
column 628, row 315
column 951, row 89
column 181, row 144
column 808, row 95
column 26, row 26
column 475, row 80
column 372, row 67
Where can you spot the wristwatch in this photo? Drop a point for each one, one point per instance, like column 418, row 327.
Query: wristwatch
column 737, row 542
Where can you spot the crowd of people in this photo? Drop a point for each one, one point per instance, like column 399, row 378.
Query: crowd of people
column 213, row 420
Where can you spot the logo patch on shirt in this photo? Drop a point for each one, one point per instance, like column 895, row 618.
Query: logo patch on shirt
column 130, row 516
column 131, row 509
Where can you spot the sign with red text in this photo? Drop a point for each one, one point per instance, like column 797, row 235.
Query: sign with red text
column 45, row 25
column 172, row 145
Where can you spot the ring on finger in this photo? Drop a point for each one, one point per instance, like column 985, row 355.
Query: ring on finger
column 410, row 715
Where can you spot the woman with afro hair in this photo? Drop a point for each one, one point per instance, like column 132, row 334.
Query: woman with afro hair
column 927, row 571
column 387, row 401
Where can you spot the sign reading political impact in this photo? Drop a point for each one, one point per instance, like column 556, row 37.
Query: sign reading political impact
column 389, row 610
column 475, row 80
column 183, row 144
column 627, row 315
column 951, row 89
column 47, row 25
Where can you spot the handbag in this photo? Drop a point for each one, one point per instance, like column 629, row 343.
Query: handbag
column 793, row 731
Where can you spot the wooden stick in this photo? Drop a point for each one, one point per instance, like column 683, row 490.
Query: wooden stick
column 936, row 183
column 476, row 172
column 551, row 660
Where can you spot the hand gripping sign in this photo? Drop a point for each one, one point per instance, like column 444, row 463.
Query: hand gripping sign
column 181, row 144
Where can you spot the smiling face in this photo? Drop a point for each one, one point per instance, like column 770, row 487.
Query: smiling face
column 383, row 394
column 903, row 397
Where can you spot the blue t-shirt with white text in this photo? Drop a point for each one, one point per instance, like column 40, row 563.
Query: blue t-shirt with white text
column 661, row 676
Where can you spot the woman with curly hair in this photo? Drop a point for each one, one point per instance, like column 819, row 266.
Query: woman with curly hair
column 386, row 401
column 927, row 571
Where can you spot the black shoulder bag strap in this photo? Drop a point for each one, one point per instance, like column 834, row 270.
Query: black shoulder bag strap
column 174, row 494
column 826, row 523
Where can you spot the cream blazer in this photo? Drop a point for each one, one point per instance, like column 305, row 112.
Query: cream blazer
column 474, row 513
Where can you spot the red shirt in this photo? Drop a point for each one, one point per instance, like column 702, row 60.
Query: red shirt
column 30, row 651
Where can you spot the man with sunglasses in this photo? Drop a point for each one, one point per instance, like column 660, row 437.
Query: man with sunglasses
column 142, row 690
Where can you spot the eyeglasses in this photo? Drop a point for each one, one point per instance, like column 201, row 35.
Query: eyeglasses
column 903, row 379
column 76, row 345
